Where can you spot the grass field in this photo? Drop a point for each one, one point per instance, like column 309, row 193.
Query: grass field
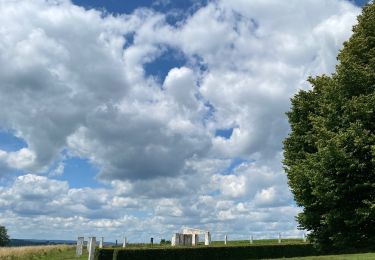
column 55, row 252
column 65, row 252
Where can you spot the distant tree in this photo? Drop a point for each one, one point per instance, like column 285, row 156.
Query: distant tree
column 4, row 238
column 330, row 151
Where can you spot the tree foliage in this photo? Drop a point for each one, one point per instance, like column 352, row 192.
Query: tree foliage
column 4, row 238
column 329, row 156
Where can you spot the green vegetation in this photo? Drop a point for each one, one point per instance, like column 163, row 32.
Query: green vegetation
column 330, row 152
column 257, row 242
column 261, row 249
column 210, row 252
column 69, row 254
column 55, row 252
column 4, row 238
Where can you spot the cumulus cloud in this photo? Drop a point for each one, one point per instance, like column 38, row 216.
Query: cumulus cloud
column 73, row 83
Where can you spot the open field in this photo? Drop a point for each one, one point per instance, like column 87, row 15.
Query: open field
column 53, row 252
column 66, row 252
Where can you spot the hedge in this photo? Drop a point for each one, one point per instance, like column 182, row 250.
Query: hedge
column 206, row 253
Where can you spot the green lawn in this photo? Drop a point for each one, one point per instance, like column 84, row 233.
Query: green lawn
column 63, row 255
column 51, row 254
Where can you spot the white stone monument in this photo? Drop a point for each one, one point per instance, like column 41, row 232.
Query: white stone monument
column 304, row 237
column 179, row 239
column 92, row 245
column 88, row 245
column 225, row 239
column 251, row 239
column 191, row 238
column 101, row 242
column 207, row 238
column 124, row 242
column 279, row 238
column 79, row 249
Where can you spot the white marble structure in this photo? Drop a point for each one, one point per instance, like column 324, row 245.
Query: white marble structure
column 79, row 249
column 179, row 239
column 195, row 235
column 225, row 239
column 124, row 242
column 251, row 239
column 304, row 237
column 279, row 238
column 92, row 244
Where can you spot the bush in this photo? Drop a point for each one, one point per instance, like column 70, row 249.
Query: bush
column 104, row 254
column 196, row 253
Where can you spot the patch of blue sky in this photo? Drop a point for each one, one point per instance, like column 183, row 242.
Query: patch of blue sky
column 7, row 178
column 129, row 39
column 114, row 6
column 170, row 58
column 79, row 173
column 225, row 133
column 9, row 142
column 176, row 10
column 360, row 2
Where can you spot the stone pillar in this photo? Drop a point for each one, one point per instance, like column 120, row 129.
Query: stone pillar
column 79, row 249
column 195, row 240
column 207, row 238
column 225, row 239
column 124, row 242
column 173, row 240
column 279, row 238
column 304, row 237
column 88, row 244
column 251, row 239
column 92, row 248
column 101, row 242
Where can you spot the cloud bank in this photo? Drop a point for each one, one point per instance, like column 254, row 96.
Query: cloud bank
column 74, row 84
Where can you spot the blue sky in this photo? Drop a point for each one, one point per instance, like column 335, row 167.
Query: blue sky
column 171, row 115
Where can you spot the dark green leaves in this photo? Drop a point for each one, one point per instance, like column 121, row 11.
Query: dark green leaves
column 329, row 154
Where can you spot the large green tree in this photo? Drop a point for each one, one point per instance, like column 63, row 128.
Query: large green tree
column 329, row 155
column 4, row 238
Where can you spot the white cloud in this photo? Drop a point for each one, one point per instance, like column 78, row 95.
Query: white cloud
column 73, row 83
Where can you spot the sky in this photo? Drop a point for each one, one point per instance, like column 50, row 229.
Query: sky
column 139, row 118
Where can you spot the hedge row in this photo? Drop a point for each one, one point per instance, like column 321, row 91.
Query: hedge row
column 206, row 253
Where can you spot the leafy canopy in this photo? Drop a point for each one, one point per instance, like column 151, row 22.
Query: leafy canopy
column 329, row 155
column 4, row 238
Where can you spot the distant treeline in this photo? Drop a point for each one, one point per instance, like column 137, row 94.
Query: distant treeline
column 33, row 242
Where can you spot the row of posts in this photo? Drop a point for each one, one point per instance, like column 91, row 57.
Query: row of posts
column 91, row 243
column 252, row 239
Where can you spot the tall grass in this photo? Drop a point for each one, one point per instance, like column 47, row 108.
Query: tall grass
column 30, row 252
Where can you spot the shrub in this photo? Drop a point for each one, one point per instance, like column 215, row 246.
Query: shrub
column 196, row 253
